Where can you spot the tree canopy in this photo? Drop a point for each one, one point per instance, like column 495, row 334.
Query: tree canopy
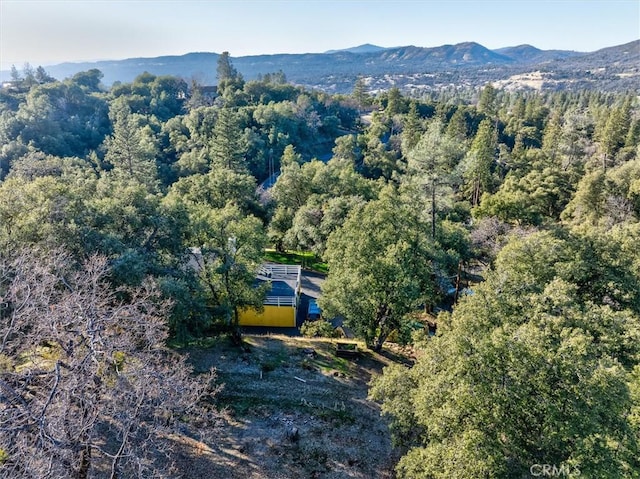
column 495, row 232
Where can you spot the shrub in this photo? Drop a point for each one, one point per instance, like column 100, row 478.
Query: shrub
column 319, row 328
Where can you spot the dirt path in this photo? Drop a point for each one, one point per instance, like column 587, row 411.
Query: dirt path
column 294, row 410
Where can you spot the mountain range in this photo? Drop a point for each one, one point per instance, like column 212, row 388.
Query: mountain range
column 408, row 67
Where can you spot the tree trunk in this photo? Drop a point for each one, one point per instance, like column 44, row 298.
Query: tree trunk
column 433, row 210
column 236, row 333
column 377, row 345
column 381, row 320
column 458, row 278
column 85, row 462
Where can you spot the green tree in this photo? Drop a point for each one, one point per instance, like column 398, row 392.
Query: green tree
column 360, row 93
column 228, row 145
column 15, row 75
column 347, row 147
column 539, row 195
column 479, row 161
column 225, row 70
column 230, row 247
column 128, row 149
column 545, row 382
column 379, row 160
column 380, row 264
column 89, row 79
column 132, row 226
column 289, row 156
column 411, row 129
column 42, row 76
column 488, row 102
column 38, row 212
column 395, row 102
column 29, row 75
column 431, row 165
column 314, row 222
column 60, row 118
column 457, row 126
column 229, row 79
column 552, row 137
column 612, row 137
column 216, row 189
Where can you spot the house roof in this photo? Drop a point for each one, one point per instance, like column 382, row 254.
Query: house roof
column 284, row 280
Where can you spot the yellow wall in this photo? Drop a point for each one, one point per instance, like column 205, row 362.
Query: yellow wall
column 282, row 316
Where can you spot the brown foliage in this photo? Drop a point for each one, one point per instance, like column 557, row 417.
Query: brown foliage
column 87, row 386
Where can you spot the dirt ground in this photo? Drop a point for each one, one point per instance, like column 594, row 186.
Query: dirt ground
column 291, row 409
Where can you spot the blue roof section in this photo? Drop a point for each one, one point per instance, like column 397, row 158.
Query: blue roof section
column 278, row 288
column 314, row 308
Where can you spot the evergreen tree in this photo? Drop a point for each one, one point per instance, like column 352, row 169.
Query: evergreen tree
column 228, row 146
column 229, row 79
column 394, row 102
column 612, row 137
column 15, row 75
column 128, row 150
column 380, row 268
column 360, row 94
column 457, row 127
column 480, row 160
column 487, row 103
column 431, row 166
column 411, row 129
column 548, row 381
column 42, row 76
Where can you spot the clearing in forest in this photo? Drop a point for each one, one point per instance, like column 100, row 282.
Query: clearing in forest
column 292, row 409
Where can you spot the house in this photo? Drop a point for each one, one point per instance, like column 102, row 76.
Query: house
column 280, row 306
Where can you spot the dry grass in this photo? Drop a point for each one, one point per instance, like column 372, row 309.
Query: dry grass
column 274, row 386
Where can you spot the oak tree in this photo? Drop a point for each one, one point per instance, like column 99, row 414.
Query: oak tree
column 87, row 386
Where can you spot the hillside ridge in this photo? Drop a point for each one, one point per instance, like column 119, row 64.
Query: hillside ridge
column 467, row 63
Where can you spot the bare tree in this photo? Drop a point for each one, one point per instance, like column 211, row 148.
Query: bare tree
column 87, row 386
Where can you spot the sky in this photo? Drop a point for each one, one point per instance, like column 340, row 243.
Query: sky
column 45, row 32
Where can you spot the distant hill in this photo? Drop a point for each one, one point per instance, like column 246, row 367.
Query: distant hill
column 366, row 48
column 408, row 67
column 530, row 54
column 620, row 56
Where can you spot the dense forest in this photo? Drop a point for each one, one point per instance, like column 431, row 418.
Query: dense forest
column 511, row 220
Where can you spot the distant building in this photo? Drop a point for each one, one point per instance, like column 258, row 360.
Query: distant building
column 281, row 304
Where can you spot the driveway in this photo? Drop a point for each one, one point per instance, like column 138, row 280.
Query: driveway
column 311, row 287
column 312, row 283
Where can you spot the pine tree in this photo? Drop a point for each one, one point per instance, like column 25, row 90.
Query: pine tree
column 411, row 129
column 131, row 155
column 360, row 94
column 227, row 147
column 480, row 160
column 614, row 134
column 229, row 79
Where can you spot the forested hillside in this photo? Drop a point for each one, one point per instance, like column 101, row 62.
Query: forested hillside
column 409, row 67
column 132, row 223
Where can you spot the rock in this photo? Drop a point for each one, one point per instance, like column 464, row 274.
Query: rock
column 293, row 435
